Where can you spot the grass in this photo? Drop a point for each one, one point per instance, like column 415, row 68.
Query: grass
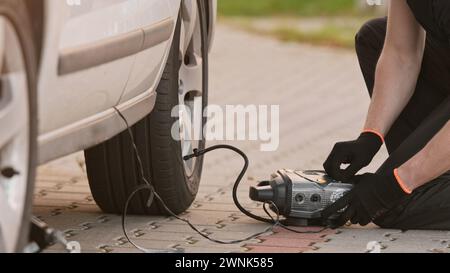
column 326, row 36
column 243, row 12
column 336, row 32
column 286, row 7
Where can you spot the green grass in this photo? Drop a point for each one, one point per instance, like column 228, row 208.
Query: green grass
column 243, row 12
column 326, row 36
column 286, row 7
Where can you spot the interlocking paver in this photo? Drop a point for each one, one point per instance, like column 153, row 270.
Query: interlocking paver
column 272, row 249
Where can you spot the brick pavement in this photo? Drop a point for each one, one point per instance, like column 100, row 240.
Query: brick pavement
column 321, row 97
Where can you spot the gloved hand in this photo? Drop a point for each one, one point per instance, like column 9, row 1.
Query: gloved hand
column 372, row 196
column 358, row 153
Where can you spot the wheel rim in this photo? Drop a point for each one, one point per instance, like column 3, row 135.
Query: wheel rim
column 14, row 137
column 191, row 89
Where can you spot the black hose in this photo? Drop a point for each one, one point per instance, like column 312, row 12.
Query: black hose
column 198, row 153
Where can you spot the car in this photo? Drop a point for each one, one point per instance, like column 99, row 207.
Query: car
column 74, row 72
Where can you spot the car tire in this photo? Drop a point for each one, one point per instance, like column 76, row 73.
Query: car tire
column 112, row 169
column 18, row 154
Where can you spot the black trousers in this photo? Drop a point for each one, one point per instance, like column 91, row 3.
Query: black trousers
column 425, row 115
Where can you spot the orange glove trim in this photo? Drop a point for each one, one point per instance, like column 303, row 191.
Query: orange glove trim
column 401, row 182
column 374, row 132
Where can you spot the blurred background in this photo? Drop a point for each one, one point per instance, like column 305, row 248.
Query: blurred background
column 298, row 54
column 321, row 22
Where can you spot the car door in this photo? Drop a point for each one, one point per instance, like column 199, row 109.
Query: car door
column 89, row 50
column 157, row 19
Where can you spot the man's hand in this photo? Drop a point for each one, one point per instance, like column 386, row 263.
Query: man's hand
column 372, row 196
column 358, row 153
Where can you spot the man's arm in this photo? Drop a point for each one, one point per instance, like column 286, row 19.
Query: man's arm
column 396, row 77
column 398, row 68
column 431, row 162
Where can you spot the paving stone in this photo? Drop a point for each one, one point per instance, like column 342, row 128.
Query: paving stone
column 432, row 234
column 47, row 207
column 43, row 184
column 419, row 241
column 271, row 249
column 65, row 196
column 292, row 235
column 355, row 239
column 315, row 230
column 210, row 206
column 290, row 242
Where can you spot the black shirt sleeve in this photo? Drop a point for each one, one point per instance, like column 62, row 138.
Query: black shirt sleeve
column 434, row 16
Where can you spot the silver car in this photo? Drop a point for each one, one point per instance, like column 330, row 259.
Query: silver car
column 70, row 68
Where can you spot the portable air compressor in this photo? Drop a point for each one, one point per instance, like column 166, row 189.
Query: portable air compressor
column 300, row 196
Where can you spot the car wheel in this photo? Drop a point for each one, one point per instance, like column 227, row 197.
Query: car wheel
column 112, row 168
column 18, row 130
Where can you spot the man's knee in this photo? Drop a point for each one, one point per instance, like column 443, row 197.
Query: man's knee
column 427, row 208
column 371, row 36
column 369, row 44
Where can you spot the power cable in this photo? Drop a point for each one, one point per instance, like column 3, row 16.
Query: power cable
column 148, row 186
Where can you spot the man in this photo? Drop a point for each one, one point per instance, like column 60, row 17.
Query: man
column 405, row 60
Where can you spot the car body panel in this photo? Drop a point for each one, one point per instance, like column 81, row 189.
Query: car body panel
column 149, row 63
column 60, row 97
column 95, row 129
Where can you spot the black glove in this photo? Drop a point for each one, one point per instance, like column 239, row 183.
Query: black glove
column 372, row 196
column 358, row 153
